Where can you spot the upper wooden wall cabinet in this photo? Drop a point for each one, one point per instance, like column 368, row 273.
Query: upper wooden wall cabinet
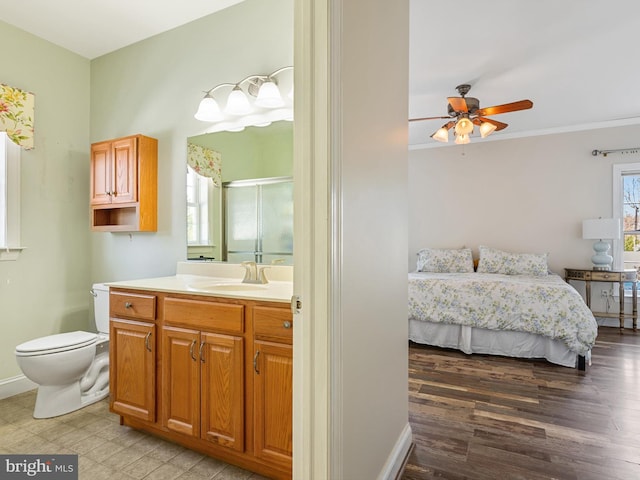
column 124, row 185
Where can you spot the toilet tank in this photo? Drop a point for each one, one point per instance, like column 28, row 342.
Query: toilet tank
column 100, row 294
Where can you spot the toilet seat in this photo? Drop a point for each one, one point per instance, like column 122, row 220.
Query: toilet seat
column 60, row 342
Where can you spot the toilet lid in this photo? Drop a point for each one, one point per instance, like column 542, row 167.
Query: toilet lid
column 56, row 343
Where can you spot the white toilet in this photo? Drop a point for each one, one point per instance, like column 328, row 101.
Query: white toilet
column 71, row 369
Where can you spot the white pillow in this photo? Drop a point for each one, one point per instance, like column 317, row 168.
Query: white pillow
column 496, row 261
column 442, row 260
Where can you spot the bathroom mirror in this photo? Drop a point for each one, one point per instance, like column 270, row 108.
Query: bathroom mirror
column 239, row 195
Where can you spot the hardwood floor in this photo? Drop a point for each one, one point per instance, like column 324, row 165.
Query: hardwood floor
column 480, row 417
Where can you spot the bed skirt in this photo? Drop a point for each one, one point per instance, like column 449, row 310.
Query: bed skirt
column 479, row 340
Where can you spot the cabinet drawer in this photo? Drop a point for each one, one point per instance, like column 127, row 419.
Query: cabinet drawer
column 132, row 305
column 227, row 317
column 272, row 323
column 605, row 276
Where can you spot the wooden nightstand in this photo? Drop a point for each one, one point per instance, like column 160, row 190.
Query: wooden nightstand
column 611, row 276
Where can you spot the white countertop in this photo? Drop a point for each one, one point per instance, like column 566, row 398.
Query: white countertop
column 213, row 286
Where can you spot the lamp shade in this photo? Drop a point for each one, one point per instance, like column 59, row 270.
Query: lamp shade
column 601, row 229
column 441, row 135
column 237, row 103
column 464, row 126
column 208, row 111
column 462, row 139
column 486, row 129
column 269, row 95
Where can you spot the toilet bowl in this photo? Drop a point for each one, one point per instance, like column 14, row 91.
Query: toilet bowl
column 71, row 369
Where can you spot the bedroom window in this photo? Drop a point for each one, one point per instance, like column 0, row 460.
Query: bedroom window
column 631, row 212
column 626, row 206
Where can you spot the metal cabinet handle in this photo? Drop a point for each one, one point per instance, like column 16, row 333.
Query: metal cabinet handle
column 255, row 362
column 287, row 324
column 128, row 305
column 201, row 355
column 146, row 341
column 191, row 350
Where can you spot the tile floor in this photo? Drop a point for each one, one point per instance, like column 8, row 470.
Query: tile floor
column 106, row 450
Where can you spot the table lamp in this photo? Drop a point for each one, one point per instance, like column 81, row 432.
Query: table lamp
column 601, row 229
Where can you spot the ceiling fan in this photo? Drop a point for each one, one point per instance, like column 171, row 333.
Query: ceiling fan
column 465, row 112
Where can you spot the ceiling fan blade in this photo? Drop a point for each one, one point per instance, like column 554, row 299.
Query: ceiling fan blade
column 426, row 118
column 506, row 107
column 499, row 125
column 459, row 104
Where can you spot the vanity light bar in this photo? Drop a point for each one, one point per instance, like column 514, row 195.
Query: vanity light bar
column 256, row 100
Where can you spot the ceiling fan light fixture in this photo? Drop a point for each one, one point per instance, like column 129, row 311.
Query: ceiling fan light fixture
column 462, row 139
column 464, row 126
column 487, row 129
column 441, row 135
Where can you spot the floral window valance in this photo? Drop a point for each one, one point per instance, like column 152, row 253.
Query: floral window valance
column 205, row 162
column 16, row 115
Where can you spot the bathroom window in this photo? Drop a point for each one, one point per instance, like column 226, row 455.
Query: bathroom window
column 9, row 199
column 198, row 225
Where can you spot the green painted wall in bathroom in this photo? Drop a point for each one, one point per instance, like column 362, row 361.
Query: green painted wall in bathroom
column 46, row 290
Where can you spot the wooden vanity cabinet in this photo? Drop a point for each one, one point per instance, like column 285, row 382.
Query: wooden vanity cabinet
column 219, row 381
column 203, row 370
column 124, row 184
column 273, row 385
column 132, row 355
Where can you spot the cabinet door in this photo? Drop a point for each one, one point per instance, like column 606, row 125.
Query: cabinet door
column 223, row 390
column 132, row 381
column 181, row 380
column 101, row 173
column 125, row 170
column 273, row 402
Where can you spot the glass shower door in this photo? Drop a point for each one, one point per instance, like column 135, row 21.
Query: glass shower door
column 259, row 220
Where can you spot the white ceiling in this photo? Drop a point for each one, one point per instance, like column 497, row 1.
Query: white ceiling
column 577, row 60
column 92, row 28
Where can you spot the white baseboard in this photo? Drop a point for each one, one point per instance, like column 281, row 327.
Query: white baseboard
column 396, row 459
column 15, row 385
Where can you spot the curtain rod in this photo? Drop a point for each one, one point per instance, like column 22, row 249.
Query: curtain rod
column 604, row 153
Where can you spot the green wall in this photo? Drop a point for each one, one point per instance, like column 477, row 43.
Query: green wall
column 46, row 290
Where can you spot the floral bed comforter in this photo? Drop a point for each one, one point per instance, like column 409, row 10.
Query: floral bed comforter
column 545, row 305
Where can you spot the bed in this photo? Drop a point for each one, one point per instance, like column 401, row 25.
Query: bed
column 510, row 306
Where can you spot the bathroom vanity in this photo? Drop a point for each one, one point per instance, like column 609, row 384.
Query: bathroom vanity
column 206, row 362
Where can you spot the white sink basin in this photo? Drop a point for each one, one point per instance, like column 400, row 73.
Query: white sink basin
column 226, row 287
